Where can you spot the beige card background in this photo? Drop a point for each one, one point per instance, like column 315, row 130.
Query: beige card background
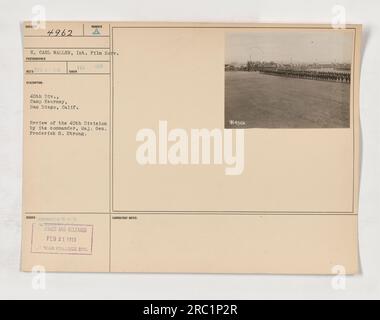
column 294, row 209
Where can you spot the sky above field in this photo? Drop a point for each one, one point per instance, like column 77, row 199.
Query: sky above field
column 290, row 46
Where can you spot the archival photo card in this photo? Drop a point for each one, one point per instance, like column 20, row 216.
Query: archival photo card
column 128, row 166
column 288, row 78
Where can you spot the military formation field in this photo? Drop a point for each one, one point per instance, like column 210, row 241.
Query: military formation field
column 255, row 100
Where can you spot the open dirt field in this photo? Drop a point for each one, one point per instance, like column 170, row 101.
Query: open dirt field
column 254, row 100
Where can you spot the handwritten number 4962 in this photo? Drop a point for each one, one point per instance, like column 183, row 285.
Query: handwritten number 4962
column 60, row 33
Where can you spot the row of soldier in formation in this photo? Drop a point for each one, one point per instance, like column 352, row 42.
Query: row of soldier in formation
column 310, row 74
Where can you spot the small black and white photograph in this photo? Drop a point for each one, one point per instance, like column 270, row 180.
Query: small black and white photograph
column 288, row 79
